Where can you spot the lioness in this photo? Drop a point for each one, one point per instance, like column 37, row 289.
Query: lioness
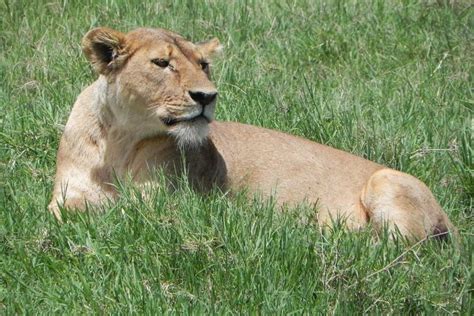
column 153, row 103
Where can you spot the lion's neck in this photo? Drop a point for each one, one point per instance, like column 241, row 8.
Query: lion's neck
column 126, row 155
column 125, row 152
column 120, row 144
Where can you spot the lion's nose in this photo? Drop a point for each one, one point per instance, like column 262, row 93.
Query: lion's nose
column 204, row 98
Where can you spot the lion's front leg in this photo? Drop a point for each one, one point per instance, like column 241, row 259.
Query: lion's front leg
column 75, row 188
column 70, row 203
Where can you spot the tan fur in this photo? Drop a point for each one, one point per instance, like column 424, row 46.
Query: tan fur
column 120, row 126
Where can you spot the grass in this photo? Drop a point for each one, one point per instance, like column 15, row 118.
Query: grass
column 387, row 80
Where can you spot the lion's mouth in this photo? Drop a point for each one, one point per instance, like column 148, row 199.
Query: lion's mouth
column 169, row 121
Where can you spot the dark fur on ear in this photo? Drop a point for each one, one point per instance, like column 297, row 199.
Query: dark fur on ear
column 105, row 49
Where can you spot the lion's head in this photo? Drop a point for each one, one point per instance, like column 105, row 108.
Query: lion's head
column 154, row 81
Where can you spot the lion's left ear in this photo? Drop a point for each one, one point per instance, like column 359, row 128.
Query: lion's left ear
column 105, row 49
column 211, row 47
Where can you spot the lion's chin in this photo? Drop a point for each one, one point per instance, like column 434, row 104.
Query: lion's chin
column 190, row 134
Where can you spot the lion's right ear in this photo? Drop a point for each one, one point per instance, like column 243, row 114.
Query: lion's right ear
column 105, row 49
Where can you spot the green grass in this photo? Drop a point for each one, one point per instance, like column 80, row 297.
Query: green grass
column 387, row 80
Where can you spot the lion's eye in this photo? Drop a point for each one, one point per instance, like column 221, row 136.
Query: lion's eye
column 163, row 63
column 204, row 66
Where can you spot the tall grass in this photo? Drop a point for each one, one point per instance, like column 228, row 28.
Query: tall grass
column 387, row 80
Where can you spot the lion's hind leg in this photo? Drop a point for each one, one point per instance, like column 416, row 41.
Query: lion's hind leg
column 405, row 204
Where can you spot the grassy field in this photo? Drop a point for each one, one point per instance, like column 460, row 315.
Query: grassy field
column 387, row 80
